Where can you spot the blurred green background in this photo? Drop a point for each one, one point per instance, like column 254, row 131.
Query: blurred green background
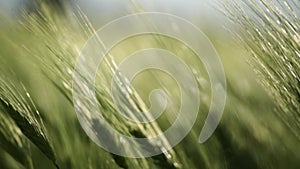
column 39, row 44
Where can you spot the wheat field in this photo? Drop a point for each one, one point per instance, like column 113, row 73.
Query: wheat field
column 259, row 128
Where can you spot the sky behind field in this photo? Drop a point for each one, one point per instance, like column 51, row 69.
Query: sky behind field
column 202, row 13
column 115, row 8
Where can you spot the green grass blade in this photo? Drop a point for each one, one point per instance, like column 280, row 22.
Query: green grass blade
column 22, row 110
column 12, row 139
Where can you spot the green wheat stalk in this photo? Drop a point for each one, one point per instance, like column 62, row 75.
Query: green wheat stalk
column 270, row 30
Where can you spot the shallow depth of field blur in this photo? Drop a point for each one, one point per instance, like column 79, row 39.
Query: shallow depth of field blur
column 258, row 42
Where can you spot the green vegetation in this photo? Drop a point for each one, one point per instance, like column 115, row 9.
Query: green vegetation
column 39, row 127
